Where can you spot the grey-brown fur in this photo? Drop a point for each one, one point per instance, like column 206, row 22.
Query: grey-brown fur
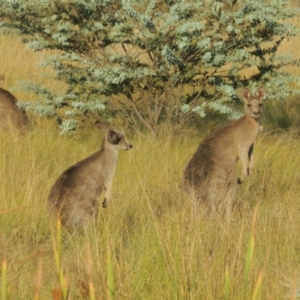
column 211, row 172
column 74, row 197
column 10, row 113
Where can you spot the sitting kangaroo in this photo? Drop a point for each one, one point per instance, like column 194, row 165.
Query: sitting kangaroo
column 74, row 197
column 211, row 172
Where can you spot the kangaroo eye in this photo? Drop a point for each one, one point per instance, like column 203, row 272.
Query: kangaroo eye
column 249, row 105
column 260, row 104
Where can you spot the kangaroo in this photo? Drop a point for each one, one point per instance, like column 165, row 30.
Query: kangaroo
column 10, row 113
column 211, row 172
column 74, row 197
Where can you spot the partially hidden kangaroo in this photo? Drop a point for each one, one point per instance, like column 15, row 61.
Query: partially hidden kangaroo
column 211, row 172
column 10, row 113
column 74, row 197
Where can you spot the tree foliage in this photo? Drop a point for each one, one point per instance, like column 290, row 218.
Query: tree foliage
column 152, row 60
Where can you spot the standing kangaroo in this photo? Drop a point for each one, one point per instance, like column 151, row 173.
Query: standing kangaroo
column 211, row 172
column 10, row 113
column 74, row 197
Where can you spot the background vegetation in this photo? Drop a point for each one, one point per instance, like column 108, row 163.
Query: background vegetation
column 150, row 62
column 150, row 243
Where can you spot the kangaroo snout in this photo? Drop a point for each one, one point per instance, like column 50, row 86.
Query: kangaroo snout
column 129, row 146
column 126, row 146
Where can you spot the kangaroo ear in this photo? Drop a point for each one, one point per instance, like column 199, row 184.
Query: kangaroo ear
column 261, row 92
column 102, row 125
column 244, row 93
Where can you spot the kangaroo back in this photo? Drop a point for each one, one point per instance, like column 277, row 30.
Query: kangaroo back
column 10, row 113
column 211, row 172
column 74, row 197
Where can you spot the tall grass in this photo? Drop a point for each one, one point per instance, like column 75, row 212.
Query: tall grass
column 149, row 243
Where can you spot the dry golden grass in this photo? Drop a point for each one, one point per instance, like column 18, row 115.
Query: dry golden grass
column 159, row 246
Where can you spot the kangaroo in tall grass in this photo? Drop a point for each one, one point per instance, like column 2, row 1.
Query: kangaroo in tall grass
column 211, row 172
column 10, row 114
column 74, row 197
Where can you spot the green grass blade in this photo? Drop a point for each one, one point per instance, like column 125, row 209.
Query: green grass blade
column 249, row 255
column 226, row 284
column 257, row 289
column 89, row 271
column 110, row 277
column 3, row 280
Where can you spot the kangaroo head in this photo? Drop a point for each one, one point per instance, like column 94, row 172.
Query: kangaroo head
column 253, row 102
column 114, row 137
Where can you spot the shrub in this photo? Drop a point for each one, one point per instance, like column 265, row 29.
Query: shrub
column 152, row 60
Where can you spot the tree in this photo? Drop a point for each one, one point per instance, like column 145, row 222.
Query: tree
column 153, row 61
